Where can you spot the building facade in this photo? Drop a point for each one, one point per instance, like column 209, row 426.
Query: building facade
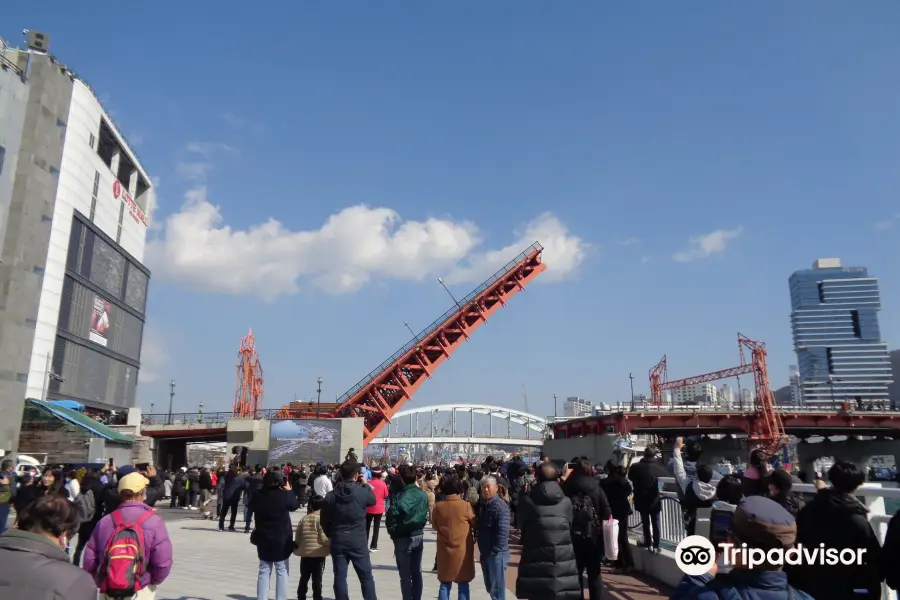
column 840, row 353
column 577, row 407
column 796, row 389
column 701, row 393
column 73, row 224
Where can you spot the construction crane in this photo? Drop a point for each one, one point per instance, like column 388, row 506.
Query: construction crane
column 768, row 432
column 380, row 394
column 248, row 390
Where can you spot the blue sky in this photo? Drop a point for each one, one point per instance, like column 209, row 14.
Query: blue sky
column 631, row 128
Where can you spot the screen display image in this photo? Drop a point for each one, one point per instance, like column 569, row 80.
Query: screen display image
column 100, row 321
column 305, row 441
column 720, row 526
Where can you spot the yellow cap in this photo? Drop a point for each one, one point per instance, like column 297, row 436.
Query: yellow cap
column 133, row 482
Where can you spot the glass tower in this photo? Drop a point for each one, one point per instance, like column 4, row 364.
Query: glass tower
column 840, row 353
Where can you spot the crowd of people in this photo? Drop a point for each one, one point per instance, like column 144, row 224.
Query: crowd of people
column 555, row 514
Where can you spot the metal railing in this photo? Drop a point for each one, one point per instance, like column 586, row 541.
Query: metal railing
column 535, row 247
column 5, row 63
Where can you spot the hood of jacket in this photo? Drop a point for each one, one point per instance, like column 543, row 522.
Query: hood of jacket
column 547, row 493
column 703, row 491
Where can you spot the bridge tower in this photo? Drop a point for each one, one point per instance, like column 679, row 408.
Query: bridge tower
column 378, row 396
column 248, row 392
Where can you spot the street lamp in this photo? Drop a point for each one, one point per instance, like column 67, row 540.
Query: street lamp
column 443, row 285
column 410, row 329
column 631, row 379
column 318, row 396
column 171, row 399
column 554, row 407
column 200, row 413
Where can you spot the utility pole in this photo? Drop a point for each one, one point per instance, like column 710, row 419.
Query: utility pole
column 171, row 399
column 554, row 407
column 318, row 396
column 631, row 379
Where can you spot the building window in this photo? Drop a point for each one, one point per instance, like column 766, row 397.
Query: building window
column 857, row 329
column 94, row 195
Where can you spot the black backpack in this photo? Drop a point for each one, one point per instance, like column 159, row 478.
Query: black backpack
column 585, row 520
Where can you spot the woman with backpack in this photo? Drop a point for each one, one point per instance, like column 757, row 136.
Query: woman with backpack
column 130, row 532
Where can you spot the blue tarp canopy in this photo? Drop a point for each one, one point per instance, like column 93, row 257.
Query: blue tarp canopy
column 70, row 404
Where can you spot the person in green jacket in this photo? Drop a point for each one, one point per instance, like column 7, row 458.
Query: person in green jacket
column 405, row 522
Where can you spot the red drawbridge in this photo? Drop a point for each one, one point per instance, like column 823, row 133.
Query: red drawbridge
column 381, row 393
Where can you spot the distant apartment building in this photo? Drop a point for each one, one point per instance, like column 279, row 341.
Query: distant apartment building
column 73, row 225
column 725, row 397
column 747, row 398
column 702, row 393
column 840, row 353
column 577, row 407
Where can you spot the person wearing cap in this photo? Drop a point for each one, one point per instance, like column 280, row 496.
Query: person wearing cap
column 132, row 490
column 762, row 524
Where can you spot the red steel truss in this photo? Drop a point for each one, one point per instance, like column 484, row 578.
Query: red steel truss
column 379, row 395
column 768, row 430
column 248, row 390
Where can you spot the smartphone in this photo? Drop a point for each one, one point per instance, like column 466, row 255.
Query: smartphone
column 571, row 466
column 720, row 526
column 142, row 466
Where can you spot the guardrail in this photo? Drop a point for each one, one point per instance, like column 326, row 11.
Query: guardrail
column 5, row 63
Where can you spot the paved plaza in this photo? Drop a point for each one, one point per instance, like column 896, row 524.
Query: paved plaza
column 215, row 565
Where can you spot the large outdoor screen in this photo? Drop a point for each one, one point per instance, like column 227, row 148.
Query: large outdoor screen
column 305, row 441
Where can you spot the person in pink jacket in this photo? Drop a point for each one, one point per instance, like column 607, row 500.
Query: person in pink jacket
column 157, row 545
column 375, row 513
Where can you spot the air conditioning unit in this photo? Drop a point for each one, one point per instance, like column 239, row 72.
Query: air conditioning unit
column 38, row 41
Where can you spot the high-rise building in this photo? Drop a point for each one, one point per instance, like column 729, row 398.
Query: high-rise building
column 73, row 224
column 747, row 398
column 725, row 397
column 577, row 407
column 796, row 390
column 840, row 353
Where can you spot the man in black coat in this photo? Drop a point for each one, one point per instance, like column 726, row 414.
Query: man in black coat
column 548, row 569
column 644, row 476
column 580, row 484
column 343, row 519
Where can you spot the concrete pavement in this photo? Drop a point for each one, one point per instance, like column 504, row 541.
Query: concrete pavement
column 214, row 565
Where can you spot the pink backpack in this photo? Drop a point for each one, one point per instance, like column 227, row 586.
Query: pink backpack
column 125, row 559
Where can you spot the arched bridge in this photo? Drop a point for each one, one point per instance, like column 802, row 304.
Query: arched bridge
column 464, row 424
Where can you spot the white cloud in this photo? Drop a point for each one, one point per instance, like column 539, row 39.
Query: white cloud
column 209, row 149
column 193, row 171
column 354, row 246
column 563, row 253
column 154, row 357
column 885, row 225
column 706, row 245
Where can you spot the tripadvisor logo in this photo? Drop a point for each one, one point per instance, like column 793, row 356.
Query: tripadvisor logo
column 695, row 555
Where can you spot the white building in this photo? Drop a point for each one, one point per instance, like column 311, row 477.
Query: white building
column 577, row 407
column 748, row 397
column 74, row 204
column 725, row 397
column 702, row 393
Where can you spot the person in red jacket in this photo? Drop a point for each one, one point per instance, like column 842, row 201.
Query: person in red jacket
column 375, row 513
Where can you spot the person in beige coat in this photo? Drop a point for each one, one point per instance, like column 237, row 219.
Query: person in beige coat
column 453, row 519
column 312, row 546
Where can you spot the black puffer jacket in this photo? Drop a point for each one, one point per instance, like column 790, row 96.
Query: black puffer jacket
column 590, row 487
column 839, row 521
column 547, row 569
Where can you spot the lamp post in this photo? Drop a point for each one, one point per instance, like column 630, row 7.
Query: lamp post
column 171, row 399
column 443, row 285
column 318, row 396
column 200, row 413
column 413, row 333
column 631, row 379
column 555, row 415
